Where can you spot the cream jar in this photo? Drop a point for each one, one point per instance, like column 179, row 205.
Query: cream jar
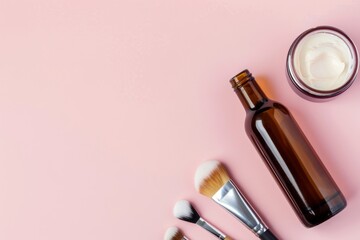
column 322, row 62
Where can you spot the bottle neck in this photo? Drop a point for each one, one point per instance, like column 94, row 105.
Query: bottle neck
column 248, row 91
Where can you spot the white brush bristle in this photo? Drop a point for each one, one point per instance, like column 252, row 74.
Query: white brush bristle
column 182, row 209
column 173, row 233
column 203, row 171
column 210, row 177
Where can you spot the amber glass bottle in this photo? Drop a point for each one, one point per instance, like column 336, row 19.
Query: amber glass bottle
column 288, row 154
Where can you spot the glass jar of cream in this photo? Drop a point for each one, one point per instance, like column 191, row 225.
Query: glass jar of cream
column 322, row 63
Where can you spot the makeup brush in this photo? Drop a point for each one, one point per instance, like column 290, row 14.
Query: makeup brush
column 183, row 210
column 174, row 233
column 213, row 181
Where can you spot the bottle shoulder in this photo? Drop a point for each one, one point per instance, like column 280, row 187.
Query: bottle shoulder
column 269, row 105
column 269, row 111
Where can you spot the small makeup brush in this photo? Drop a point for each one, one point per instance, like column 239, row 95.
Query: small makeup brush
column 174, row 233
column 213, row 181
column 183, row 210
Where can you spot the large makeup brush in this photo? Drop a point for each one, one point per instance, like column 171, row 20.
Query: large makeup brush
column 213, row 181
column 183, row 210
column 174, row 233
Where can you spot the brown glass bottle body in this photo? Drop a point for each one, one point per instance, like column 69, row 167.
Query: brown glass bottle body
column 305, row 181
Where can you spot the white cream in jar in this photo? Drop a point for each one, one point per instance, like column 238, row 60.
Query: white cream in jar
column 322, row 62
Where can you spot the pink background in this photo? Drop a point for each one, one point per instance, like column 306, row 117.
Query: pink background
column 108, row 107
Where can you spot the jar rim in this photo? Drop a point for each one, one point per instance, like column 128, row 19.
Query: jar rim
column 305, row 88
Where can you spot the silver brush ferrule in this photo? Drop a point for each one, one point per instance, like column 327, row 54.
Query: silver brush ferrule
column 207, row 226
column 229, row 197
column 184, row 238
